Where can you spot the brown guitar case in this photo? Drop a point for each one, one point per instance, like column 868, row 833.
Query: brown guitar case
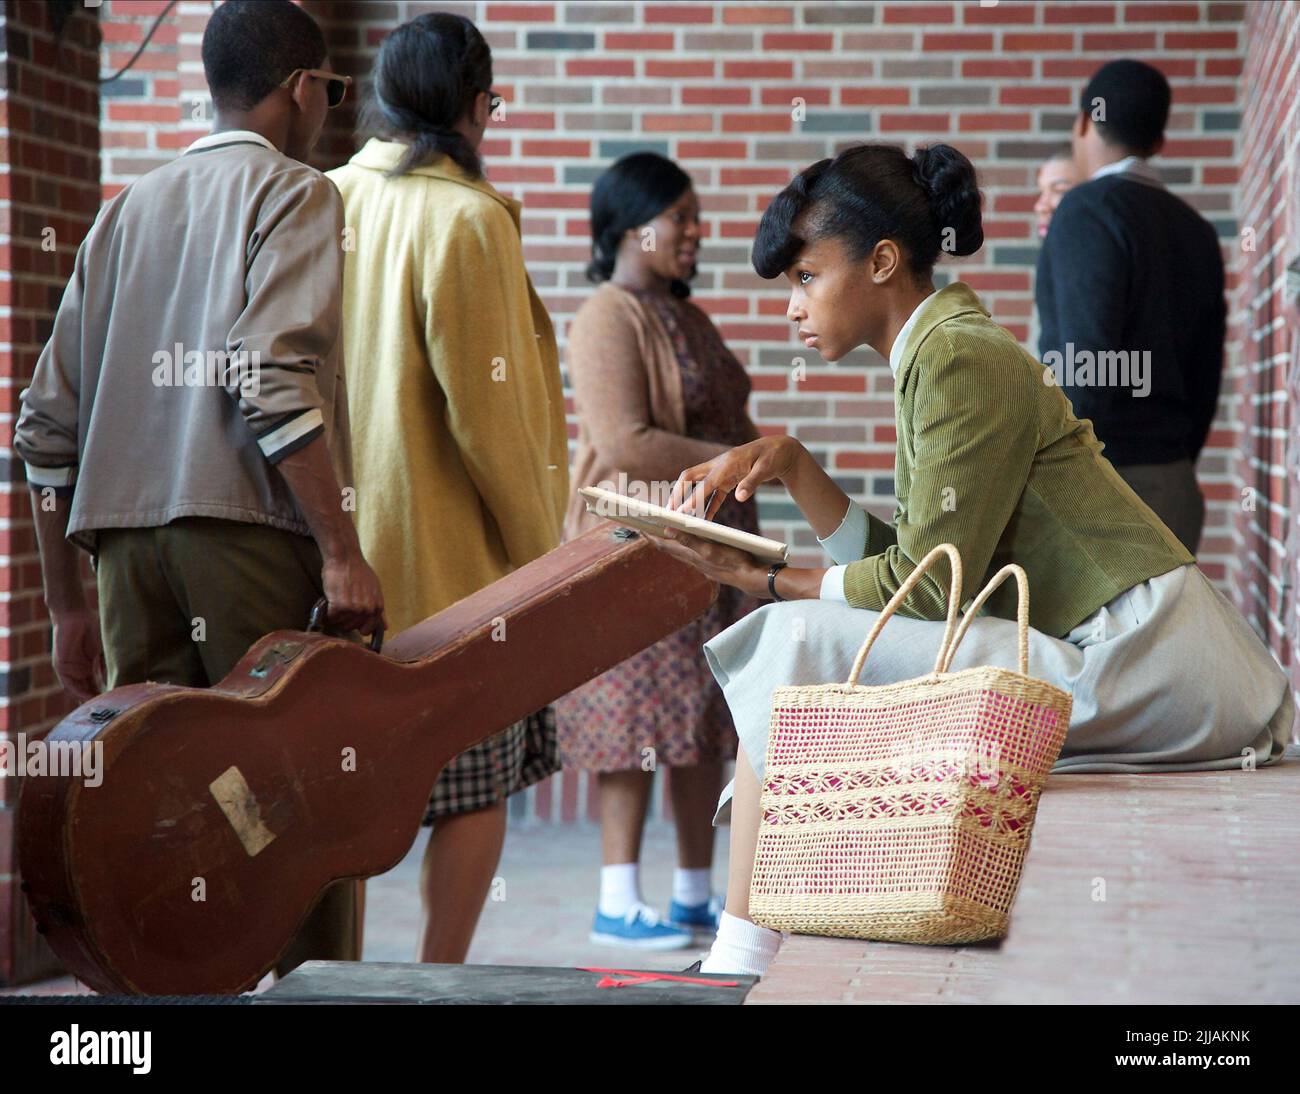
column 224, row 812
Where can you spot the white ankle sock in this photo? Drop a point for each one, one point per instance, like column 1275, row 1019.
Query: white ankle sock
column 620, row 888
column 692, row 886
column 741, row 947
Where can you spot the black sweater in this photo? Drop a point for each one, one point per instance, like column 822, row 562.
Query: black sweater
column 1128, row 266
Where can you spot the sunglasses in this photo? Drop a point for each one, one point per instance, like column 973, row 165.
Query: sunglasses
column 336, row 86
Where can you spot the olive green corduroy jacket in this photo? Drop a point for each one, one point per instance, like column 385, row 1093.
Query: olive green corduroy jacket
column 992, row 459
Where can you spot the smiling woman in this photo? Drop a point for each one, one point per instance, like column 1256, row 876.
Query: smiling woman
column 1165, row 674
column 656, row 390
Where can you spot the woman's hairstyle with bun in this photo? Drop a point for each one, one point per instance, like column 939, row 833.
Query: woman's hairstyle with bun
column 928, row 203
column 428, row 73
column 631, row 192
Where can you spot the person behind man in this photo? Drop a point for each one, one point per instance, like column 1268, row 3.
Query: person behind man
column 187, row 421
column 1055, row 177
column 656, row 389
column 1130, row 298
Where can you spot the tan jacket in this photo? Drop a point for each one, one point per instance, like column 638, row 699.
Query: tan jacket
column 627, row 389
column 455, row 394
column 139, row 406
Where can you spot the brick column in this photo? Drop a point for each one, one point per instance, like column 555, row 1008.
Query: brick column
column 49, row 193
column 1267, row 460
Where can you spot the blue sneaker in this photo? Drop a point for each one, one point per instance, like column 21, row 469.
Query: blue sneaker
column 697, row 918
column 641, row 929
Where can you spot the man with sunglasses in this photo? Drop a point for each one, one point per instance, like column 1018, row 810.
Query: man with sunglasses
column 336, row 86
column 187, row 421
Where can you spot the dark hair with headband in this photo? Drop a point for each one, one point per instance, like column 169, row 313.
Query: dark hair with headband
column 631, row 192
column 428, row 73
column 927, row 203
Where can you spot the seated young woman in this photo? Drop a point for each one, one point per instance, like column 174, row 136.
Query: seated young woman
column 1166, row 675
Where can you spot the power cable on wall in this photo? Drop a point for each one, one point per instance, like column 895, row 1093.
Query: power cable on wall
column 141, row 48
column 61, row 10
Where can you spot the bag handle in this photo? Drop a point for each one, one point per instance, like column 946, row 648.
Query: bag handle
column 1022, row 614
column 954, row 602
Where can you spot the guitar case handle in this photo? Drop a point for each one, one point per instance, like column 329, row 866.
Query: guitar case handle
column 317, row 623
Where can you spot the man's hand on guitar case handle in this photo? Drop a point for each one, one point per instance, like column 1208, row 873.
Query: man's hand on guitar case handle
column 352, row 589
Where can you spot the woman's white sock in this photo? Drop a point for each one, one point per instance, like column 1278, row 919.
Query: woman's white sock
column 620, row 888
column 691, row 887
column 741, row 947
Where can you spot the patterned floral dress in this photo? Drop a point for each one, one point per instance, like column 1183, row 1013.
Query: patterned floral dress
column 662, row 705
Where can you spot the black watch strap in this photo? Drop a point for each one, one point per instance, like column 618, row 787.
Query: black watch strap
column 771, row 579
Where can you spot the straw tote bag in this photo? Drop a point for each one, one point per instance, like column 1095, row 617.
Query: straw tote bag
column 902, row 812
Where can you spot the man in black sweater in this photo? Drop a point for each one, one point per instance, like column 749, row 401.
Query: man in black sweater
column 1130, row 299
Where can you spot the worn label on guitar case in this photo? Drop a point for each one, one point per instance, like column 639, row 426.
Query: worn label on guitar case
column 236, row 799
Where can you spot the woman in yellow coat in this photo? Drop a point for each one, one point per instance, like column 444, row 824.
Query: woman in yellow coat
column 457, row 410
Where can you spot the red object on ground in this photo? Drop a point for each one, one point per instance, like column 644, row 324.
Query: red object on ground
column 641, row 976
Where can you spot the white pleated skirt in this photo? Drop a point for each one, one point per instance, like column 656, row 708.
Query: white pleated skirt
column 1168, row 676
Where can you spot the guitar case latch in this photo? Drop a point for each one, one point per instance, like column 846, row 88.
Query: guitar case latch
column 279, row 654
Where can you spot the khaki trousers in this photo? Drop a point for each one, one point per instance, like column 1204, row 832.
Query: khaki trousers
column 181, row 604
column 1171, row 491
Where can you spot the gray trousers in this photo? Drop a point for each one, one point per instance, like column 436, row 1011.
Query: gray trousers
column 1171, row 492
column 1167, row 676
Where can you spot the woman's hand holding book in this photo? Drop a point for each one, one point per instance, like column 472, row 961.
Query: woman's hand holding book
column 742, row 470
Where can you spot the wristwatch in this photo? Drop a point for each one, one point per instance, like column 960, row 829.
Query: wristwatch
column 771, row 579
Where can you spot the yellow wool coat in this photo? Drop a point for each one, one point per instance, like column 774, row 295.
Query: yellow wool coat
column 459, row 445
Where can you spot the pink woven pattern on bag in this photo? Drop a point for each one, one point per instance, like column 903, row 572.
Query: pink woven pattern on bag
column 904, row 811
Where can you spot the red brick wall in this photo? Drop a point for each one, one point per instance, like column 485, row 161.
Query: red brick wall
column 1264, row 569
column 49, row 146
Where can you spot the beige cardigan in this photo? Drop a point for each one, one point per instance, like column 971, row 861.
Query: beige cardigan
column 627, row 389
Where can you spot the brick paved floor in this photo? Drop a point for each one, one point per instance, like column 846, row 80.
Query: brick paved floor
column 1202, row 904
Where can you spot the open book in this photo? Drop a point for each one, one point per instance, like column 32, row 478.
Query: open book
column 653, row 519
